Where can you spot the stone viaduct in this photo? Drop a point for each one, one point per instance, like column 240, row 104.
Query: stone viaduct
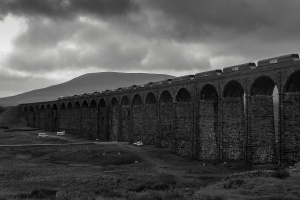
column 217, row 115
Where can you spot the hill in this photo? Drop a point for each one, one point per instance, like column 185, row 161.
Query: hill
column 83, row 84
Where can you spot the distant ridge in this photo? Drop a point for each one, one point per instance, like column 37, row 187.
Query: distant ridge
column 83, row 84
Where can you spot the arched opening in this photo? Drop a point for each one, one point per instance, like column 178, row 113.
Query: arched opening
column 48, row 107
column 208, row 92
column 93, row 104
column 30, row 118
column 63, row 117
column 54, row 120
column 69, row 118
column 102, row 103
column 94, row 120
column 233, row 141
column 70, row 106
column 48, row 123
column 85, row 104
column 85, row 120
column 43, row 117
column 165, row 97
column 183, row 123
column 76, row 119
column 137, row 100
column 37, row 116
column 290, row 120
column 183, row 96
column 150, row 119
column 293, row 83
column 166, row 112
column 30, row 109
column 137, row 119
column 62, row 106
column 233, row 89
column 26, row 109
column 125, row 101
column 208, row 123
column 125, row 119
column 54, row 107
column 262, row 86
column 77, row 105
column 103, row 120
column 150, row 98
column 263, row 120
column 113, row 120
column 114, row 101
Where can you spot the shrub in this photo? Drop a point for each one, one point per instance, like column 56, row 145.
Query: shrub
column 237, row 182
column 108, row 193
column 282, row 174
column 43, row 194
column 161, row 186
column 154, row 195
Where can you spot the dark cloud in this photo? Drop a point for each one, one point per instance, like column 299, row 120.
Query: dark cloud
column 200, row 18
column 172, row 36
column 66, row 8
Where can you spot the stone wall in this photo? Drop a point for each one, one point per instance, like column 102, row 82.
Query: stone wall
column 93, row 122
column 63, row 120
column 31, row 119
column 69, row 121
column 233, row 139
column 262, row 131
column 37, row 119
column 150, row 121
column 54, row 121
column 137, row 124
column 183, row 127
column 85, row 121
column 76, row 128
column 114, row 123
column 166, row 115
column 290, row 139
column 103, row 124
column 43, row 119
column 48, row 121
column 125, row 124
column 208, row 136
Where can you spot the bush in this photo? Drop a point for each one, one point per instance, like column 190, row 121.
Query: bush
column 237, row 182
column 282, row 174
column 108, row 193
column 154, row 195
column 39, row 194
column 161, row 186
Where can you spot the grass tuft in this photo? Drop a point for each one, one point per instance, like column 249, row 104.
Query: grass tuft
column 281, row 174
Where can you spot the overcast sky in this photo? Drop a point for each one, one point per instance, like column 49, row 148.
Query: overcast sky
column 45, row 42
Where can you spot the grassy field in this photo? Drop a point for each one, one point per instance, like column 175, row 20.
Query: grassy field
column 113, row 170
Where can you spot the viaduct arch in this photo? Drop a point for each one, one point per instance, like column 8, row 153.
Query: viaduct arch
column 221, row 115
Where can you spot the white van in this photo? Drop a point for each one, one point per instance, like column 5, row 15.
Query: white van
column 61, row 133
column 42, row 135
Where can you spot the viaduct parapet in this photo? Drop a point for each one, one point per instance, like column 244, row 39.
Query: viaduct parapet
column 217, row 115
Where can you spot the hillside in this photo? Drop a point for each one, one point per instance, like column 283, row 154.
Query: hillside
column 86, row 83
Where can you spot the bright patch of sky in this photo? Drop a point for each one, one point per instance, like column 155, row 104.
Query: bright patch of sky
column 10, row 28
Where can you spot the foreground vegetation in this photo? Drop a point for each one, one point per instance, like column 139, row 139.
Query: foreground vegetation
column 122, row 171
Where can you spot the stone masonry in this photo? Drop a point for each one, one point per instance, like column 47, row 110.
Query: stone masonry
column 218, row 115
